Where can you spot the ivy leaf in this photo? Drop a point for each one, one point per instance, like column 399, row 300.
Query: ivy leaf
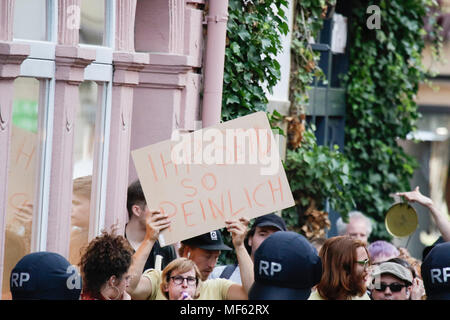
column 232, row 99
column 235, row 48
column 243, row 34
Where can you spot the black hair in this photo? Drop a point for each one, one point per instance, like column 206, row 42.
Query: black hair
column 427, row 250
column 250, row 233
column 135, row 196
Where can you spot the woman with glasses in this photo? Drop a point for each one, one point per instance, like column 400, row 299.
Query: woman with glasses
column 345, row 263
column 181, row 280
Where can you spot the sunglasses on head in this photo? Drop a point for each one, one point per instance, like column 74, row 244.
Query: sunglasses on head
column 394, row 287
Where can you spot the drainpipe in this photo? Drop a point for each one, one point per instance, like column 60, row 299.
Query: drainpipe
column 214, row 62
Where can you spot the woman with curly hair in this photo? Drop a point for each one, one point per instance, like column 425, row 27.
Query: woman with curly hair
column 345, row 263
column 104, row 268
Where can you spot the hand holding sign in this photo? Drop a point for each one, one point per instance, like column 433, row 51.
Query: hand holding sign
column 155, row 222
column 238, row 230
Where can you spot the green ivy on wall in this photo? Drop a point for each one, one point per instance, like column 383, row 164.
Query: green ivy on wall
column 308, row 21
column 316, row 173
column 383, row 78
column 253, row 41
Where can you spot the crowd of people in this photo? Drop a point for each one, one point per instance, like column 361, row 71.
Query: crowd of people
column 272, row 263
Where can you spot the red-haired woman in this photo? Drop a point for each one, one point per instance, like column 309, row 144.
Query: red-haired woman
column 345, row 263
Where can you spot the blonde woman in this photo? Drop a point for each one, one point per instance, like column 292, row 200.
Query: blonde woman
column 181, row 280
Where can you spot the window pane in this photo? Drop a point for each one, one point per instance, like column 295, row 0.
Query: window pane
column 92, row 24
column 83, row 167
column 85, row 129
column 30, row 19
column 22, row 175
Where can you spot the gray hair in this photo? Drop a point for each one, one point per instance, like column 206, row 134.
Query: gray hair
column 342, row 226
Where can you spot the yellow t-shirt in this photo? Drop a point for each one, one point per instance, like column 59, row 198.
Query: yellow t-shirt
column 213, row 289
column 316, row 296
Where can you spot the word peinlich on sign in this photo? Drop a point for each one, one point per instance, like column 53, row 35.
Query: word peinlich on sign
column 200, row 196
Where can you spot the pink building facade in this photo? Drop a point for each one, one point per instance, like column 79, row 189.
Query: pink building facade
column 95, row 80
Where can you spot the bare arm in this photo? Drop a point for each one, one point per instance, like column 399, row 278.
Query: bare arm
column 238, row 230
column 140, row 287
column 442, row 222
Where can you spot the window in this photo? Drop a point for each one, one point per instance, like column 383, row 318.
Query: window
column 92, row 24
column 35, row 24
column 83, row 168
column 85, row 130
column 22, row 175
column 98, row 76
column 30, row 20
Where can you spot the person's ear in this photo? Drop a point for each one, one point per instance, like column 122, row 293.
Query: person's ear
column 408, row 292
column 184, row 253
column 137, row 210
column 250, row 241
column 112, row 281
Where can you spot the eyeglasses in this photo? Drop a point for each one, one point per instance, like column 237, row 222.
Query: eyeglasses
column 178, row 280
column 394, row 287
column 364, row 263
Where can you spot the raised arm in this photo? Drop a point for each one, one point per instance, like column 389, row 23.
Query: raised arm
column 442, row 222
column 140, row 287
column 238, row 230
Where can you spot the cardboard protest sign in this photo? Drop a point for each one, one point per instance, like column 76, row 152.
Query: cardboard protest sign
column 219, row 173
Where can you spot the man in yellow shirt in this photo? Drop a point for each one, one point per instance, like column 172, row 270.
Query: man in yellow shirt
column 204, row 250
